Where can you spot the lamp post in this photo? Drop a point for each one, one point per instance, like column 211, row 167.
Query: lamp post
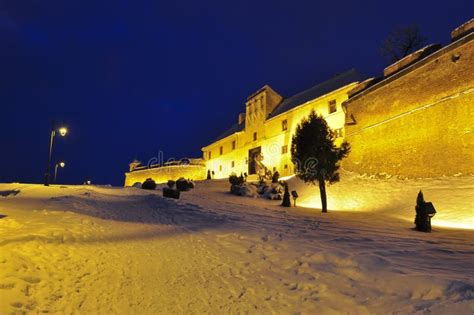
column 62, row 132
column 294, row 194
column 59, row 164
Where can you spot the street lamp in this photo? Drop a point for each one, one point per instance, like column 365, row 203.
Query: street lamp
column 295, row 196
column 62, row 132
column 59, row 164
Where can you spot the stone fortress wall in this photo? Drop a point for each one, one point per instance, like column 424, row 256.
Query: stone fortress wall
column 164, row 173
column 415, row 121
column 419, row 120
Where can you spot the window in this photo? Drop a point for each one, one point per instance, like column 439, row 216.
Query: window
column 284, row 149
column 339, row 133
column 221, row 150
column 220, row 168
column 232, row 164
column 284, row 125
column 286, row 166
column 209, row 155
column 254, row 136
column 332, row 106
column 233, row 145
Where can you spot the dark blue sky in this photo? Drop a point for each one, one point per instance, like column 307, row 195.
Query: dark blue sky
column 131, row 78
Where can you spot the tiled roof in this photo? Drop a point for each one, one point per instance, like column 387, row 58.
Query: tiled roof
column 316, row 91
column 235, row 128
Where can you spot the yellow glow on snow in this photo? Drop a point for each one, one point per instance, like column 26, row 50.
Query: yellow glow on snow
column 468, row 225
column 444, row 219
column 287, row 177
column 459, row 222
column 336, row 203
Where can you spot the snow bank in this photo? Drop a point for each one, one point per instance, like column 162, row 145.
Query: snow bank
column 104, row 250
column 453, row 197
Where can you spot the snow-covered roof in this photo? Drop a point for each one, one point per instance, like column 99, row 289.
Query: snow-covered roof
column 314, row 92
column 235, row 128
column 318, row 90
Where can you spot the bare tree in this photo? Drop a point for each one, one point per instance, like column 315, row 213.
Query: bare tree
column 402, row 42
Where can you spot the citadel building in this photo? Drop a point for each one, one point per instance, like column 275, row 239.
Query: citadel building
column 263, row 133
column 415, row 121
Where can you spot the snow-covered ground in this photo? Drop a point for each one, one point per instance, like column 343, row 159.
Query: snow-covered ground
column 103, row 250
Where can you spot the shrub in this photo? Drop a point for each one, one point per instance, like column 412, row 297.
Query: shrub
column 248, row 190
column 149, row 184
column 235, row 189
column 171, row 193
column 274, row 192
column 275, row 177
column 286, row 197
column 191, row 184
column 183, row 184
column 170, row 183
column 262, row 188
column 424, row 212
column 236, row 180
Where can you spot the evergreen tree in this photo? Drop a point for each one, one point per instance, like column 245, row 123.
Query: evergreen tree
column 286, row 197
column 420, row 211
column 149, row 183
column 315, row 154
column 275, row 177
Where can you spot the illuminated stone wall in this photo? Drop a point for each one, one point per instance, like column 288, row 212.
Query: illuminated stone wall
column 165, row 173
column 271, row 137
column 418, row 122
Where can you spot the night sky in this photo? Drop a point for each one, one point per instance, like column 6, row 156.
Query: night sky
column 131, row 78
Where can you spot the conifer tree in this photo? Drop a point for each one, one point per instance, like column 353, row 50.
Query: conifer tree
column 315, row 154
column 286, row 197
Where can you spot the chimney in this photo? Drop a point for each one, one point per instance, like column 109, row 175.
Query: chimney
column 241, row 118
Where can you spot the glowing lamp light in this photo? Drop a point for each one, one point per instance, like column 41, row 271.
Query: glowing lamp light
column 62, row 131
column 62, row 164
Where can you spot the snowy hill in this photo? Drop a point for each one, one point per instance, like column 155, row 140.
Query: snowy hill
column 453, row 197
column 124, row 250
